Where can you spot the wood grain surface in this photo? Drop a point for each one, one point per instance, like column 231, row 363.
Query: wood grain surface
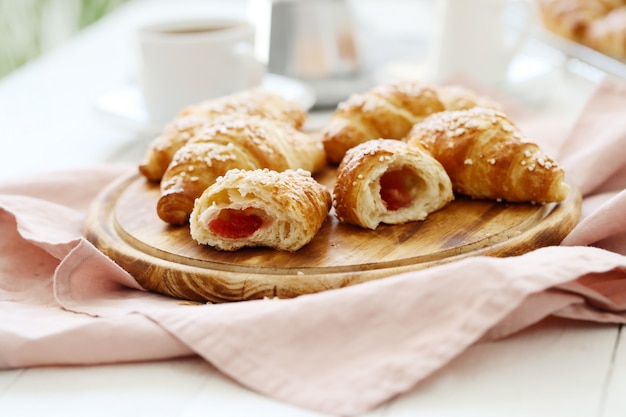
column 124, row 225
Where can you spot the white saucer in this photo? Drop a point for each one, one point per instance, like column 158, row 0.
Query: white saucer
column 124, row 106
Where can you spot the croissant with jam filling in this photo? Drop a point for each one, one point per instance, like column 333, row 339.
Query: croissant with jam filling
column 193, row 118
column 388, row 181
column 232, row 142
column 488, row 157
column 281, row 210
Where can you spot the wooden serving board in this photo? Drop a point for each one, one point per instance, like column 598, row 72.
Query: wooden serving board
column 124, row 225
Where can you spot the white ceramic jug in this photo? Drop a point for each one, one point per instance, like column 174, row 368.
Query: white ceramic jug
column 477, row 38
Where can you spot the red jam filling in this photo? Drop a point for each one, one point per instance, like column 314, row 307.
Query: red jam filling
column 395, row 188
column 236, row 223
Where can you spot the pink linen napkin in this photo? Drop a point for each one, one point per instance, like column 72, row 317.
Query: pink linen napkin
column 341, row 352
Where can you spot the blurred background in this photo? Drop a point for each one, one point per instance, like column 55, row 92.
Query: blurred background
column 91, row 80
column 393, row 39
column 30, row 27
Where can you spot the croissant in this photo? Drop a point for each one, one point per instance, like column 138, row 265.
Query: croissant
column 192, row 118
column 232, row 142
column 598, row 24
column 608, row 35
column 488, row 157
column 281, row 210
column 389, row 181
column 390, row 111
column 386, row 111
column 570, row 18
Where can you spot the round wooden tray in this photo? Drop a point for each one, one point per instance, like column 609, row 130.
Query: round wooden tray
column 123, row 224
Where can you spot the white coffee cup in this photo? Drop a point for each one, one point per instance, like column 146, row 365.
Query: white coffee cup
column 184, row 62
column 474, row 38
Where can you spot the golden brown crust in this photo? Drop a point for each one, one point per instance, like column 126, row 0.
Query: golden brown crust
column 290, row 206
column 569, row 18
column 488, row 157
column 162, row 149
column 232, row 142
column 193, row 118
column 608, row 35
column 375, row 171
column 389, row 111
column 598, row 24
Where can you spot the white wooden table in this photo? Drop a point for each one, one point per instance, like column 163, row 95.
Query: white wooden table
column 47, row 122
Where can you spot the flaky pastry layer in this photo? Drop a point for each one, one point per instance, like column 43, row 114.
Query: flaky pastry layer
column 281, row 210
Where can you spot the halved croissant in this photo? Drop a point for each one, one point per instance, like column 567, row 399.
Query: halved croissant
column 488, row 157
column 282, row 210
column 232, row 142
column 389, row 181
column 255, row 102
column 390, row 111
